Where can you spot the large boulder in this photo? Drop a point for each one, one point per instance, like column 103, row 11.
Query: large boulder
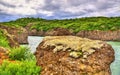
column 70, row 55
column 58, row 32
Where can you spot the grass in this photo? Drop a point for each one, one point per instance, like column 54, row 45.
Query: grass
column 21, row 60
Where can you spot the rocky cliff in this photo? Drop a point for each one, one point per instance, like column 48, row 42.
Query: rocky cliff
column 70, row 55
column 101, row 35
column 20, row 34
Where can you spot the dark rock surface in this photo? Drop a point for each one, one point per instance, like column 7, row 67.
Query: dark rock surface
column 34, row 32
column 55, row 60
column 58, row 32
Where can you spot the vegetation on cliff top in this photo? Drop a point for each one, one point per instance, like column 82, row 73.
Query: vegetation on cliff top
column 20, row 61
column 78, row 24
column 3, row 40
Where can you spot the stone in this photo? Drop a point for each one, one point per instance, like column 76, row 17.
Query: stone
column 71, row 55
column 20, row 34
column 11, row 38
column 100, row 35
column 58, row 32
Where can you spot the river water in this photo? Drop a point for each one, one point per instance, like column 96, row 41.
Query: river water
column 115, row 66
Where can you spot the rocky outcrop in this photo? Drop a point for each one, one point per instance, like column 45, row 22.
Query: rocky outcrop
column 20, row 34
column 58, row 32
column 101, row 35
column 70, row 55
column 11, row 38
column 34, row 32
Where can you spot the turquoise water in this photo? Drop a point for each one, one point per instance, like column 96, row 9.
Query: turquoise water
column 115, row 66
column 34, row 42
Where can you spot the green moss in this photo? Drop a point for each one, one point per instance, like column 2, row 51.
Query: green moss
column 76, row 46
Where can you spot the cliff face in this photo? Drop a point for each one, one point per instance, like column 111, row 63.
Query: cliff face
column 20, row 34
column 70, row 55
column 11, row 38
column 101, row 35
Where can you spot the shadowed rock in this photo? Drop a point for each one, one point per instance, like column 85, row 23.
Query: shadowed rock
column 58, row 32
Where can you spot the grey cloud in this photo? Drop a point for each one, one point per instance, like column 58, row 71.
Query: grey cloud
column 49, row 6
column 77, row 2
column 58, row 9
column 6, row 4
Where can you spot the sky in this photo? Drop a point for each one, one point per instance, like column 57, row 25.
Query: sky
column 57, row 9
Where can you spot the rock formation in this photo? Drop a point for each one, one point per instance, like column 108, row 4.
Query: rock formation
column 70, row 55
column 20, row 34
column 58, row 32
column 11, row 39
column 101, row 35
column 34, row 32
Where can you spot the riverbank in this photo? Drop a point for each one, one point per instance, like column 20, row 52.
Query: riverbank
column 21, row 34
column 98, row 28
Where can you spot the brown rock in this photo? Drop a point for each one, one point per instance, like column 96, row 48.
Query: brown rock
column 11, row 38
column 100, row 35
column 33, row 32
column 58, row 32
column 53, row 54
column 20, row 34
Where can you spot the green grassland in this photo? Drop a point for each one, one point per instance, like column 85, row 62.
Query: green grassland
column 77, row 24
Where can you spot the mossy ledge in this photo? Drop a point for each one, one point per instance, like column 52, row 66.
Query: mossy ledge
column 80, row 47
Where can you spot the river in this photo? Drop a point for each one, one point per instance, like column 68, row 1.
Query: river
column 115, row 66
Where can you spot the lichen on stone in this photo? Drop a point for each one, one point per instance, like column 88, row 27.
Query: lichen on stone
column 75, row 45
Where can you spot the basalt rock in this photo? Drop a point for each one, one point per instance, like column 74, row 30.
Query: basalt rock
column 70, row 55
column 58, row 32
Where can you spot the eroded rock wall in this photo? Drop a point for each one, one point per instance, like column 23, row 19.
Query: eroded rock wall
column 101, row 35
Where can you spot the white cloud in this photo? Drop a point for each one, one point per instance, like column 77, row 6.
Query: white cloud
column 21, row 7
column 61, row 8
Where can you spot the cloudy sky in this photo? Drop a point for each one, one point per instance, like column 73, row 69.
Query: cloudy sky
column 57, row 9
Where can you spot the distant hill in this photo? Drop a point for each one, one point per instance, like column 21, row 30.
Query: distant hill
column 77, row 24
